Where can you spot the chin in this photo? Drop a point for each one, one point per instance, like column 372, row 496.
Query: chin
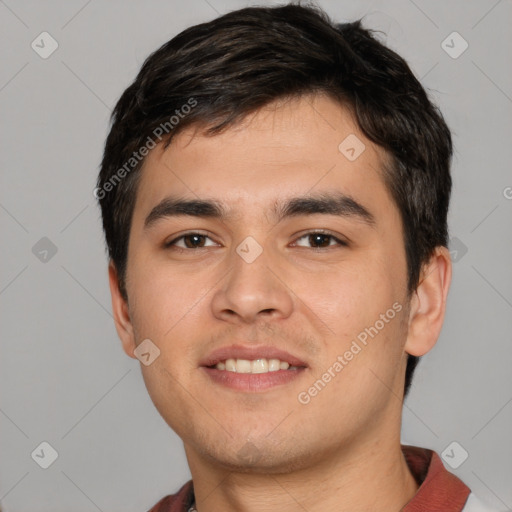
column 259, row 458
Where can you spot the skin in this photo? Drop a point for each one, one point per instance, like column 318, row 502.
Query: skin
column 341, row 451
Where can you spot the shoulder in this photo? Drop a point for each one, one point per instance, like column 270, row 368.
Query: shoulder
column 474, row 504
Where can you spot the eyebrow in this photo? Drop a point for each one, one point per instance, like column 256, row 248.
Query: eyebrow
column 338, row 204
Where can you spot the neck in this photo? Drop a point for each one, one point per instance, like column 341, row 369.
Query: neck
column 372, row 477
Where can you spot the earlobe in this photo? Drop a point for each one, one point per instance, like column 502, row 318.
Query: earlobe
column 121, row 313
column 428, row 304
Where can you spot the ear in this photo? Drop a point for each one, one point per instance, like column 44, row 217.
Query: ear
column 121, row 313
column 428, row 303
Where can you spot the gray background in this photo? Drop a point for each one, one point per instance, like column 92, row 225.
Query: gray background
column 65, row 379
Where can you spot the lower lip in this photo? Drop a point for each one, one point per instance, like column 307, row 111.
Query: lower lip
column 252, row 382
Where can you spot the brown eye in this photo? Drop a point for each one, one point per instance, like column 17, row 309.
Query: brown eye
column 194, row 241
column 189, row 241
column 320, row 240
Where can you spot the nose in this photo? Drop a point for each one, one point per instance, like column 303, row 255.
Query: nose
column 252, row 290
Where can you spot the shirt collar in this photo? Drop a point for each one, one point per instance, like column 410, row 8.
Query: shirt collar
column 439, row 489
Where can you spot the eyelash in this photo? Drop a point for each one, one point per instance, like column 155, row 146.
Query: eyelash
column 172, row 243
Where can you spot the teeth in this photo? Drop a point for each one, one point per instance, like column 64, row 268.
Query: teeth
column 259, row 366
column 243, row 366
column 230, row 365
column 273, row 365
column 255, row 366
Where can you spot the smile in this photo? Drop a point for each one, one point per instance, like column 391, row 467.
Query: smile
column 261, row 365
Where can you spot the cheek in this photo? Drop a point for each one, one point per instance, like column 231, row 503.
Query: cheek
column 161, row 297
column 363, row 309
column 168, row 308
column 348, row 300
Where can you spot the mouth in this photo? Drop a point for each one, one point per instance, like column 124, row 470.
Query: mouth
column 252, row 369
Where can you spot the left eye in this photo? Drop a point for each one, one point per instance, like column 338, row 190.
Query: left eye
column 190, row 241
column 320, row 240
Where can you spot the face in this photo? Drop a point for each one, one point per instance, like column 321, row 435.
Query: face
column 304, row 268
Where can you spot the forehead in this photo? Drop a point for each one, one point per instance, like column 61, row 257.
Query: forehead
column 288, row 148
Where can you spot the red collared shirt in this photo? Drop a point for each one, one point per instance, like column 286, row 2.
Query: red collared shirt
column 439, row 491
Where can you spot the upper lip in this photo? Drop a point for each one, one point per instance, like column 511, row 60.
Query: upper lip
column 250, row 352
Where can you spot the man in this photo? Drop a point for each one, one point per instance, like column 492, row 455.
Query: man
column 274, row 193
